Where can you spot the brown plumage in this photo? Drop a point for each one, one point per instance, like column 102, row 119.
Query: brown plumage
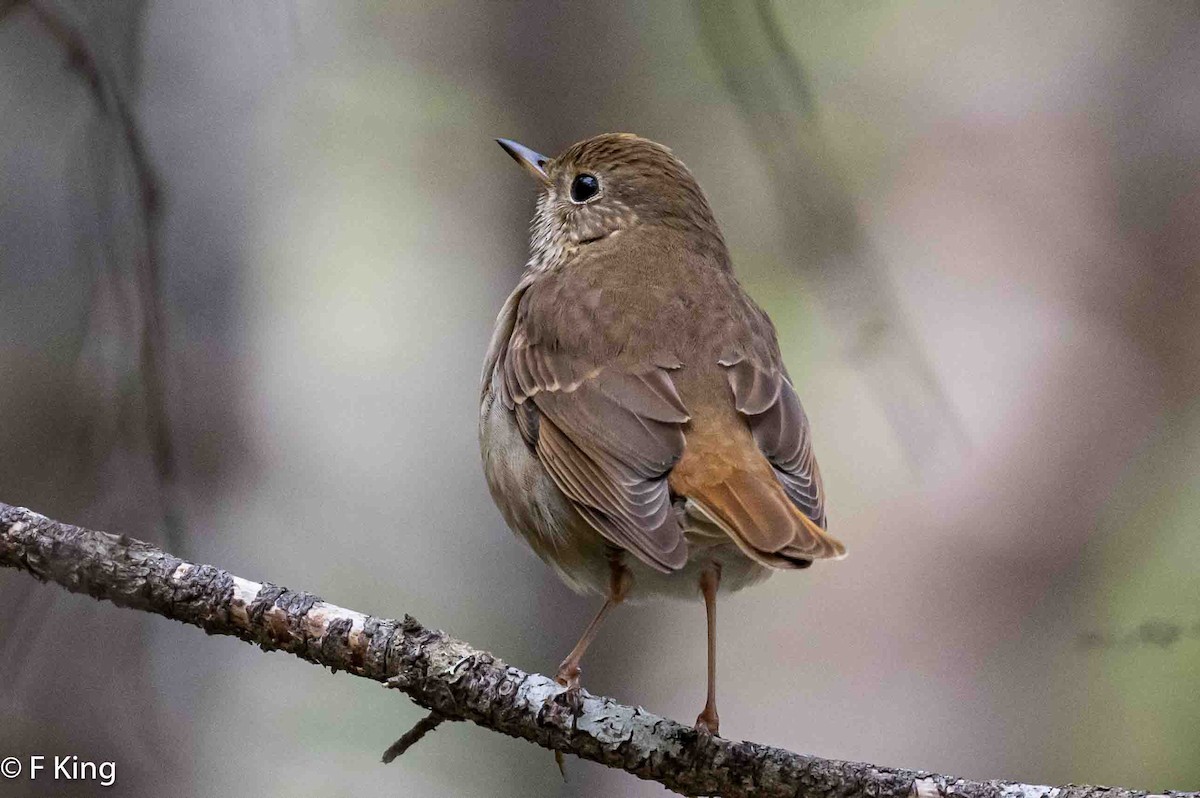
column 638, row 426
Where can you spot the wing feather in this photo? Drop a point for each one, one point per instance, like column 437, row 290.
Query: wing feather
column 607, row 433
column 765, row 396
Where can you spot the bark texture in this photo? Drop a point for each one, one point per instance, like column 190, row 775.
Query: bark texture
column 457, row 681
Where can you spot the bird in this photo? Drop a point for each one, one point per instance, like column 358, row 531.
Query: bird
column 638, row 427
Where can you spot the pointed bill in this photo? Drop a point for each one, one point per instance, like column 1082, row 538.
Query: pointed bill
column 534, row 162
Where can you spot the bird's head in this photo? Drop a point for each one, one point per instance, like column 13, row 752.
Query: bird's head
column 610, row 184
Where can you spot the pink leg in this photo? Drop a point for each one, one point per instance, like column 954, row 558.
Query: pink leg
column 707, row 720
column 568, row 671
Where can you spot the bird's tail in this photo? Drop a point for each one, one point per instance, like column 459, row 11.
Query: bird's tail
column 756, row 513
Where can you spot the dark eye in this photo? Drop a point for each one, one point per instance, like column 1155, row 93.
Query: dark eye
column 584, row 187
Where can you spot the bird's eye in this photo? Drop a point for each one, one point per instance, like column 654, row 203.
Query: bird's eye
column 584, row 187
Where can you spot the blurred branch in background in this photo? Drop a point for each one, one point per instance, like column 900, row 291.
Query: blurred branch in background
column 456, row 681
column 821, row 225
column 144, row 263
column 1155, row 632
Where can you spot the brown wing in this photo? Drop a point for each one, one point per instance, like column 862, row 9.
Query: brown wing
column 769, row 403
column 607, row 435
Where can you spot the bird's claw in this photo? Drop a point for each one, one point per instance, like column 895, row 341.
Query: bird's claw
column 568, row 675
column 708, row 723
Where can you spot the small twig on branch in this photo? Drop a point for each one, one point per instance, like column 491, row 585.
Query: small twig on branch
column 458, row 682
column 411, row 737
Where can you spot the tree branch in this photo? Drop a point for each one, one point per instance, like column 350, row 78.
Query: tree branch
column 458, row 682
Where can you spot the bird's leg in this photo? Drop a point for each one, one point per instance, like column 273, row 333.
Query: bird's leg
column 710, row 579
column 568, row 671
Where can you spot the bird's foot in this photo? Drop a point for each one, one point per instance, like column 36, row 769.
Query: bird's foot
column 572, row 697
column 568, row 675
column 707, row 722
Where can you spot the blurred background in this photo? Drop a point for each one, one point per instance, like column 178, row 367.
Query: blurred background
column 251, row 254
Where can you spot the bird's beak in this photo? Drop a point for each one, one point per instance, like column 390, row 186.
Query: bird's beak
column 534, row 162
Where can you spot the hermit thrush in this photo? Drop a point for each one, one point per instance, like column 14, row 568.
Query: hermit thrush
column 637, row 424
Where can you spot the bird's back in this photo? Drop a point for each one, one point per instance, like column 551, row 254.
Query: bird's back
column 643, row 302
column 643, row 297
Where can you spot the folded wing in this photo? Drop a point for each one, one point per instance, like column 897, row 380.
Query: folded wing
column 608, row 436
column 769, row 403
column 759, row 485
